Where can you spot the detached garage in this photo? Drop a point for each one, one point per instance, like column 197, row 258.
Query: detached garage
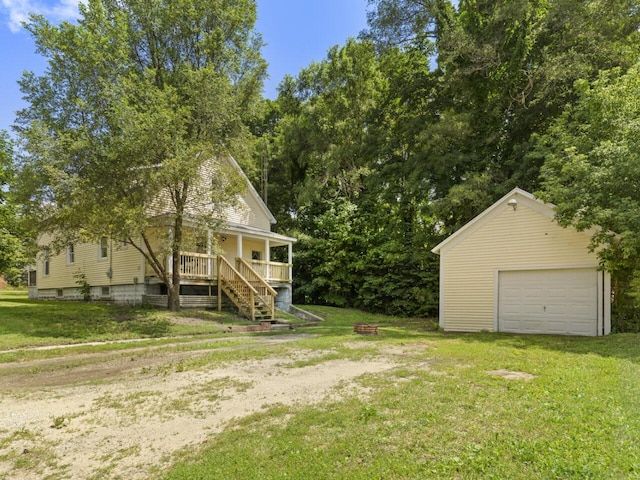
column 514, row 269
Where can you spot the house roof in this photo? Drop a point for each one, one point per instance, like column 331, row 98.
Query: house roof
column 521, row 196
column 253, row 191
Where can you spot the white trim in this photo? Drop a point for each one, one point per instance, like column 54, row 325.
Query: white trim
column 600, row 304
column 441, row 322
column 100, row 257
column 71, row 251
column 267, row 255
column 46, row 266
column 496, row 299
column 564, row 266
column 252, row 232
column 522, row 197
column 252, row 190
column 606, row 303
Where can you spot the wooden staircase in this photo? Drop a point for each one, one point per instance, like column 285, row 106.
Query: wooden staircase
column 253, row 296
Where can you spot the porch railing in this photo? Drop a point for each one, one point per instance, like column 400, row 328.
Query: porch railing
column 272, row 271
column 202, row 265
column 237, row 288
column 266, row 294
column 198, row 265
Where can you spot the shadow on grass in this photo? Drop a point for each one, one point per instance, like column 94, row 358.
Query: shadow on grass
column 23, row 319
column 340, row 321
column 620, row 345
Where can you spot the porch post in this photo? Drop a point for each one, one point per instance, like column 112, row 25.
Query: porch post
column 239, row 246
column 209, row 260
column 290, row 261
column 267, row 255
column 170, row 256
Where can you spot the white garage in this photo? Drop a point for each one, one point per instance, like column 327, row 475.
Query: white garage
column 513, row 269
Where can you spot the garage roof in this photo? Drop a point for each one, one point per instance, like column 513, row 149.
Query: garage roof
column 522, row 197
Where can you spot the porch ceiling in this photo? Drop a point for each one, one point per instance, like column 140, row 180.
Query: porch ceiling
column 275, row 238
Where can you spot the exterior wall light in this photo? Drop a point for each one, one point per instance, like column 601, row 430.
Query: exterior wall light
column 513, row 203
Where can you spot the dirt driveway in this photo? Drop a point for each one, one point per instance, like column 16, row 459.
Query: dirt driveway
column 124, row 416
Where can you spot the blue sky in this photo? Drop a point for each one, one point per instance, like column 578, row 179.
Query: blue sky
column 297, row 32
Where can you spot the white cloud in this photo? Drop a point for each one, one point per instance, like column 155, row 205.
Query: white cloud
column 17, row 11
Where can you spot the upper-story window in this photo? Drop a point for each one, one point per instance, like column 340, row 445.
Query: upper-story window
column 46, row 263
column 103, row 247
column 71, row 255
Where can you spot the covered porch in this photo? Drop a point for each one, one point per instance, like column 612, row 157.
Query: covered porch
column 250, row 267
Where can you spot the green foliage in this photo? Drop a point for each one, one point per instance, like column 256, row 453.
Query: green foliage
column 13, row 237
column 591, row 171
column 398, row 139
column 625, row 317
column 85, row 287
column 137, row 100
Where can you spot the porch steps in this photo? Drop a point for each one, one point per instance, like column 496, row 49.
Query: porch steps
column 261, row 311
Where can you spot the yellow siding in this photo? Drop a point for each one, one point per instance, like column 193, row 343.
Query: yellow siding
column 524, row 238
column 125, row 263
column 249, row 245
column 249, row 214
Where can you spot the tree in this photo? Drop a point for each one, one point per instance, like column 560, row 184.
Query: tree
column 137, row 100
column 505, row 70
column 592, row 169
column 13, row 256
column 346, row 178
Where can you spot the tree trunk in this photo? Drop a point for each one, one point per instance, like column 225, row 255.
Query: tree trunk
column 173, row 292
column 176, row 245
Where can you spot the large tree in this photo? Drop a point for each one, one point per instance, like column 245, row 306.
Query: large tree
column 505, row 70
column 138, row 97
column 592, row 169
column 13, row 238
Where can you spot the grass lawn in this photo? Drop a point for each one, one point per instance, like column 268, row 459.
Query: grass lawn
column 449, row 411
column 26, row 323
column 462, row 406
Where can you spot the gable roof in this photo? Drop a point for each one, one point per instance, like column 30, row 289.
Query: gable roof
column 521, row 196
column 252, row 191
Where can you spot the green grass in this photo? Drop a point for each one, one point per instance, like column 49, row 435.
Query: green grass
column 440, row 414
column 437, row 414
column 25, row 323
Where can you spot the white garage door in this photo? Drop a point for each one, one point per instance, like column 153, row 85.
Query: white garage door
column 548, row 301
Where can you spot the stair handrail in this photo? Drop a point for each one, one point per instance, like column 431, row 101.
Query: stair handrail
column 230, row 277
column 266, row 293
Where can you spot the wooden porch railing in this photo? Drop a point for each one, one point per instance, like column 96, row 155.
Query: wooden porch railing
column 272, row 271
column 198, row 265
column 266, row 293
column 241, row 292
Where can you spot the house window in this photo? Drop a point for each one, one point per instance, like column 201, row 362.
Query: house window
column 32, row 278
column 71, row 255
column 59, row 293
column 256, row 255
column 103, row 248
column 46, row 263
column 105, row 291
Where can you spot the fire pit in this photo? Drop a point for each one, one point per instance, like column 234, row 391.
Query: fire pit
column 365, row 329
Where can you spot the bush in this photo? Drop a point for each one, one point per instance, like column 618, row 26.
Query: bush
column 625, row 318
